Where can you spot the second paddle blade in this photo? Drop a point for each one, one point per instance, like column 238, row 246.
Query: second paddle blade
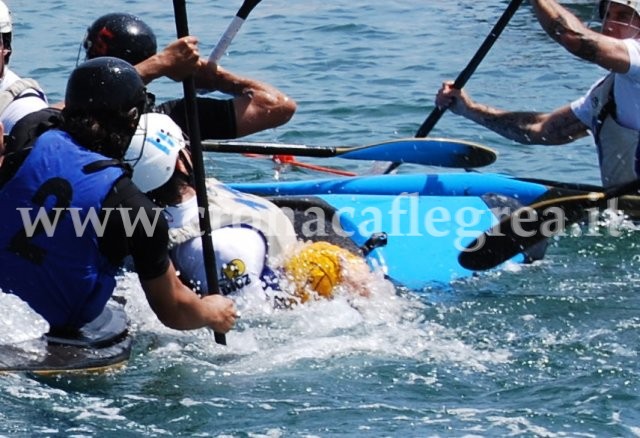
column 525, row 228
column 443, row 152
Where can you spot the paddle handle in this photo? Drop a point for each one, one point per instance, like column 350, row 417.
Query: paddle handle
column 198, row 166
column 465, row 74
column 232, row 30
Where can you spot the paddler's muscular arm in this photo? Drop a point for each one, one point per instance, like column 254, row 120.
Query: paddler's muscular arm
column 570, row 32
column 527, row 127
column 175, row 305
column 257, row 105
column 180, row 308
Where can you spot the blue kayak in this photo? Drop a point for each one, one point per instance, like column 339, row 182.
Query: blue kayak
column 412, row 226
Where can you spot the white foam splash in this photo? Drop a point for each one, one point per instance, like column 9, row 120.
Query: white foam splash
column 19, row 322
column 388, row 324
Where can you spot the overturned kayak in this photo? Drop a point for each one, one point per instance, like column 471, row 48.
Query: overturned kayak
column 101, row 345
column 411, row 226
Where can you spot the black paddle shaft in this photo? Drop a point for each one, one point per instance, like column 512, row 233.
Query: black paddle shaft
column 191, row 107
column 465, row 74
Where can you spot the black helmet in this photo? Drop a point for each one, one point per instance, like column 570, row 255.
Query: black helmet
column 104, row 100
column 123, row 36
column 105, row 85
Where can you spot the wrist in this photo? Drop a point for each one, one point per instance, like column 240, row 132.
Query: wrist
column 150, row 69
column 206, row 75
column 471, row 110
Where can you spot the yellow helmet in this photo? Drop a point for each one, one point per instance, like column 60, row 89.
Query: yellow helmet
column 317, row 268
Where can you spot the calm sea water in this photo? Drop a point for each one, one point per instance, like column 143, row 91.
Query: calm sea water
column 543, row 350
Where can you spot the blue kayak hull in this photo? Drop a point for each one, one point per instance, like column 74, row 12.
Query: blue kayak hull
column 428, row 218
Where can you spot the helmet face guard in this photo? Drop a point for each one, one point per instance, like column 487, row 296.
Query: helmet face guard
column 603, row 5
column 630, row 19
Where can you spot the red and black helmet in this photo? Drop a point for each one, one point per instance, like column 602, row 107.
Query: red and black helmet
column 120, row 35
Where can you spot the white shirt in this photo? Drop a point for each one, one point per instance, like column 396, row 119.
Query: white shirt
column 626, row 93
column 20, row 107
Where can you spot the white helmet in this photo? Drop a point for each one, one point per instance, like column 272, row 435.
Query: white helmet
column 602, row 5
column 5, row 18
column 154, row 150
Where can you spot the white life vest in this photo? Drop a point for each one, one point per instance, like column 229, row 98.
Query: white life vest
column 228, row 207
column 618, row 146
column 9, row 94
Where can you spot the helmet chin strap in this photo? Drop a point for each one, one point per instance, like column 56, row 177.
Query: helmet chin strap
column 80, row 50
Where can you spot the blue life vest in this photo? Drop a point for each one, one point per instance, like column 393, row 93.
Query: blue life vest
column 58, row 270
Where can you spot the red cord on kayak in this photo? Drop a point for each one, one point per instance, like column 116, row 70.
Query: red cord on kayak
column 290, row 160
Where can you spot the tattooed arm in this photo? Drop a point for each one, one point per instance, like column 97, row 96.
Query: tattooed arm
column 527, row 127
column 569, row 31
column 558, row 127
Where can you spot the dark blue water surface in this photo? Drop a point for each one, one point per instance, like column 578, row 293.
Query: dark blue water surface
column 543, row 350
